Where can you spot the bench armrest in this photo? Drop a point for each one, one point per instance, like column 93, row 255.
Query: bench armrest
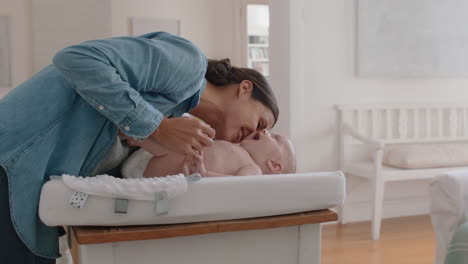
column 347, row 129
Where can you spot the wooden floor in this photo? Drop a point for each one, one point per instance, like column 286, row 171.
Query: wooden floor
column 403, row 240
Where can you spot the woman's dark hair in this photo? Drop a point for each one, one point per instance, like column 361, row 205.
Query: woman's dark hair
column 222, row 73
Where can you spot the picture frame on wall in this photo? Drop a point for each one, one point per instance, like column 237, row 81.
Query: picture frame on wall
column 417, row 38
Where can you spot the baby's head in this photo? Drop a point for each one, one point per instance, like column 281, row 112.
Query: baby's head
column 273, row 153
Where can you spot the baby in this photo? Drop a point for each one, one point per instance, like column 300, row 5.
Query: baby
column 261, row 152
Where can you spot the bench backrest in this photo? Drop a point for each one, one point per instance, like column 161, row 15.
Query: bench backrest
column 404, row 123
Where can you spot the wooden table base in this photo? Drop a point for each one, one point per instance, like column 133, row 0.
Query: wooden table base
column 88, row 236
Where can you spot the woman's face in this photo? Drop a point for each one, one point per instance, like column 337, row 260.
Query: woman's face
column 243, row 116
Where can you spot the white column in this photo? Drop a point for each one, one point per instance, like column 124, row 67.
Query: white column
column 287, row 64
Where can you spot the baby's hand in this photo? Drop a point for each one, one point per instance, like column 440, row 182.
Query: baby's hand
column 194, row 164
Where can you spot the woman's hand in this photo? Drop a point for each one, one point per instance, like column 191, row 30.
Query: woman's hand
column 147, row 144
column 185, row 135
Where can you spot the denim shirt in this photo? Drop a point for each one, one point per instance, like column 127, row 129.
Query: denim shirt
column 66, row 117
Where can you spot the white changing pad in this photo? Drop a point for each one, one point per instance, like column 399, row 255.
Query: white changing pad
column 209, row 199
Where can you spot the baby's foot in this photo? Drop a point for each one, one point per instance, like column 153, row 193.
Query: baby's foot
column 194, row 164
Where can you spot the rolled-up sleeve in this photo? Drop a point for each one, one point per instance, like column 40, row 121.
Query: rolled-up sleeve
column 96, row 78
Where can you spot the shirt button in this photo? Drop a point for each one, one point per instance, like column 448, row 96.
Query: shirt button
column 127, row 128
column 101, row 107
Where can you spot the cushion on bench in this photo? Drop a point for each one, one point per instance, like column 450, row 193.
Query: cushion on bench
column 423, row 156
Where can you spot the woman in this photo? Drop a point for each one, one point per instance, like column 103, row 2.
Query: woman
column 66, row 118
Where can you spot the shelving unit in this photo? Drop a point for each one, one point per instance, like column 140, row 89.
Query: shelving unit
column 258, row 58
column 257, row 37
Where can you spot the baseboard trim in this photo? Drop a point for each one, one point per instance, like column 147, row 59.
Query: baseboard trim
column 397, row 207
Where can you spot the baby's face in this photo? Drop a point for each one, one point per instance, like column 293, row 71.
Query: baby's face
column 263, row 146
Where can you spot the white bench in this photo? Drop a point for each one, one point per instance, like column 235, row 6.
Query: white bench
column 366, row 130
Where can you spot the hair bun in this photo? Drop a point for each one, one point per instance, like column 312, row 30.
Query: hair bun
column 219, row 72
column 227, row 64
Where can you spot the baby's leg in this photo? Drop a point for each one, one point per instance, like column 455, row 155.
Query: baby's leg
column 169, row 164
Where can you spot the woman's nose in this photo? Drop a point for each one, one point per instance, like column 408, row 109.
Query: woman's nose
column 264, row 131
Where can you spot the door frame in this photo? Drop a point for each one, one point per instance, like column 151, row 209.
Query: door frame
column 286, row 60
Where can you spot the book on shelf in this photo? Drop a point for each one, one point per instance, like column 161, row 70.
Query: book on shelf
column 258, row 52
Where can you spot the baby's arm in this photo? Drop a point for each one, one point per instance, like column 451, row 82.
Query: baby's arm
column 251, row 169
column 161, row 166
column 195, row 164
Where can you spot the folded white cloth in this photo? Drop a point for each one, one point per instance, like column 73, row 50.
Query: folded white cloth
column 136, row 164
column 134, row 189
column 449, row 207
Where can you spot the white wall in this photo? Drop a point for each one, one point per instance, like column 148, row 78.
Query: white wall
column 19, row 12
column 330, row 79
column 57, row 24
column 208, row 23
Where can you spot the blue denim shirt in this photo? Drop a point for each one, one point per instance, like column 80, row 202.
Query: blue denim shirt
column 65, row 118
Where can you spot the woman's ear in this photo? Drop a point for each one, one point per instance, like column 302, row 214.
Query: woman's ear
column 245, row 88
column 274, row 166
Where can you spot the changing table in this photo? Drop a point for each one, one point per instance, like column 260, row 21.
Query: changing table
column 271, row 219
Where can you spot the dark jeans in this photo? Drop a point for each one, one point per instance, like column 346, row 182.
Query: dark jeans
column 12, row 249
